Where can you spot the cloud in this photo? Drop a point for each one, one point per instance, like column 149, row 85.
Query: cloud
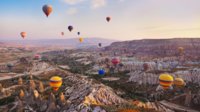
column 72, row 11
column 97, row 3
column 73, row 2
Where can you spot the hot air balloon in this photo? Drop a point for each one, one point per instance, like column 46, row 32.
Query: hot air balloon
column 80, row 39
column 145, row 66
column 101, row 54
column 101, row 72
column 179, row 82
column 78, row 33
column 70, row 28
column 108, row 19
column 100, row 44
column 55, row 82
column 180, row 50
column 37, row 57
column 165, row 81
column 23, row 34
column 47, row 9
column 62, row 33
column 115, row 61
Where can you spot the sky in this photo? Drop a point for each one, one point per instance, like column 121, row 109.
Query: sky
column 131, row 19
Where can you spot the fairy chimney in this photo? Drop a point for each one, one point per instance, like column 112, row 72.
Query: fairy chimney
column 1, row 87
column 31, row 77
column 62, row 98
column 52, row 98
column 41, row 87
column 21, row 94
column 32, row 84
column 20, row 81
column 36, row 94
column 19, row 106
column 188, row 98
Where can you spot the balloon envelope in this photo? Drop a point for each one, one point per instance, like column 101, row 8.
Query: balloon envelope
column 115, row 61
column 23, row 34
column 37, row 57
column 70, row 28
column 179, row 82
column 108, row 19
column 101, row 72
column 80, row 39
column 181, row 50
column 100, row 44
column 47, row 9
column 62, row 33
column 165, row 81
column 55, row 82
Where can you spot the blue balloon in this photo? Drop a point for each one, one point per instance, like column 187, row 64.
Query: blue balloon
column 101, row 72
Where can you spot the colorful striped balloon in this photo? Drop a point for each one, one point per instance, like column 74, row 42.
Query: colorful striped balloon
column 165, row 81
column 55, row 82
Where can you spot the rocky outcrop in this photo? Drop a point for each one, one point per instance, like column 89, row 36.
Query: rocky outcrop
column 78, row 94
column 83, row 92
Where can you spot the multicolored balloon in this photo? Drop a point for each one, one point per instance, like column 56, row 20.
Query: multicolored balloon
column 55, row 82
column 47, row 9
column 165, row 81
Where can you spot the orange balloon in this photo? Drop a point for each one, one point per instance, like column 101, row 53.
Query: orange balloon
column 23, row 34
column 81, row 39
column 47, row 9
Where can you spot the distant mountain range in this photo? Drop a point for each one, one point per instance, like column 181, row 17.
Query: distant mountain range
column 157, row 47
column 65, row 43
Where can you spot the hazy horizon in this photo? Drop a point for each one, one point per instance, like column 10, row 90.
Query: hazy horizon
column 130, row 19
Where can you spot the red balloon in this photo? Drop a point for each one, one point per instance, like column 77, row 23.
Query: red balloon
column 115, row 61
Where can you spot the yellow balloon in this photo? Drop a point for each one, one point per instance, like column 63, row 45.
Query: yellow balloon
column 81, row 39
column 55, row 82
column 179, row 82
column 165, row 80
column 181, row 50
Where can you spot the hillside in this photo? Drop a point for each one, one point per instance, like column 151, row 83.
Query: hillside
column 157, row 47
column 65, row 43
